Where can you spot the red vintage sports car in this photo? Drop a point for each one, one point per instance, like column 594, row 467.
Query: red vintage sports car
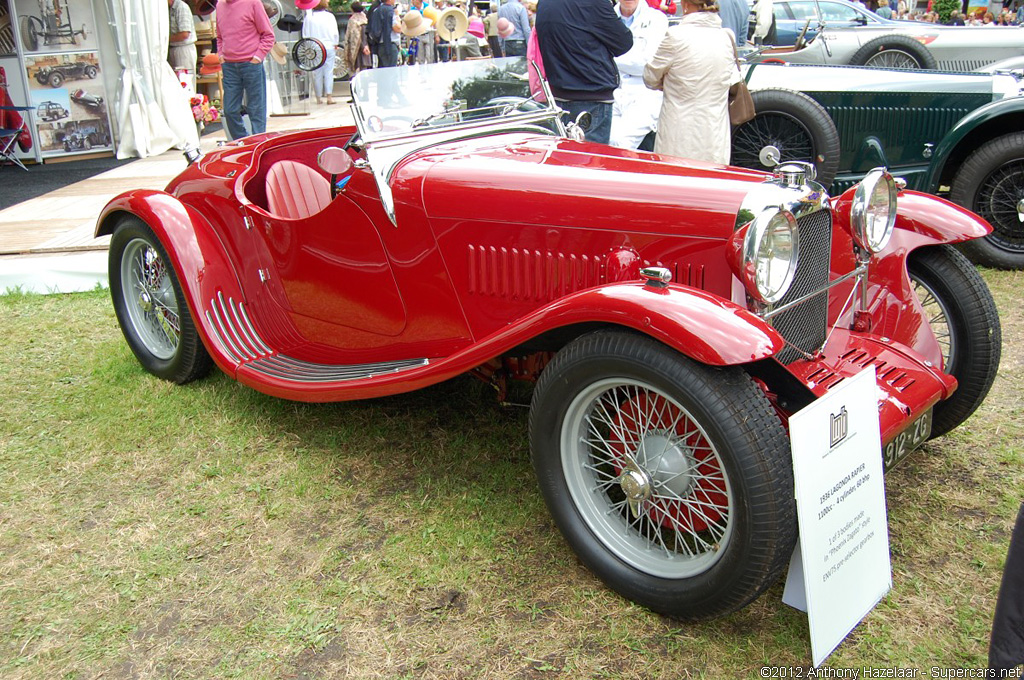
column 673, row 313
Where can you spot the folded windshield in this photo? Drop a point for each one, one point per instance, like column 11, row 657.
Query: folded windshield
column 391, row 102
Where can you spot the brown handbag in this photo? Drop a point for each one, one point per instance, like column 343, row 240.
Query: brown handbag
column 741, row 104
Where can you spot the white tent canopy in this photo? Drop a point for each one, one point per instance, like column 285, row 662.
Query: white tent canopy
column 153, row 112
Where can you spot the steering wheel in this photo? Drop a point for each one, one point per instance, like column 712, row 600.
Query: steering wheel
column 800, row 41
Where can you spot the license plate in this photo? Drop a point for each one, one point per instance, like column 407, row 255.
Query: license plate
column 907, row 440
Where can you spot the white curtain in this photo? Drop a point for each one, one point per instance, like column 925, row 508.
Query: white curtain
column 153, row 111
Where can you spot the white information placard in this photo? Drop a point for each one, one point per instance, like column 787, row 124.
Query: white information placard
column 841, row 567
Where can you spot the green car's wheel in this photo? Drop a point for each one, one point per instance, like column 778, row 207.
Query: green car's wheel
column 670, row 479
column 991, row 183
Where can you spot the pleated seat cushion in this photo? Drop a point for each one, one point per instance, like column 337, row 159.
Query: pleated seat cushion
column 295, row 191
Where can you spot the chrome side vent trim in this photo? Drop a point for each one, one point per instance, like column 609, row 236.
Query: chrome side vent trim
column 288, row 368
column 234, row 331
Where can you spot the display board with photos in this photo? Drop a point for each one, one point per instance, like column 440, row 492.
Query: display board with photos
column 61, row 58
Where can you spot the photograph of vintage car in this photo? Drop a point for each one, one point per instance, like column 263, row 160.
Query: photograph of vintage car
column 87, row 100
column 671, row 314
column 55, row 75
column 49, row 111
column 957, row 135
column 50, row 25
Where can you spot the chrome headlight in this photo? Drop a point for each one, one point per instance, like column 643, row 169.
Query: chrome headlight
column 770, row 251
column 874, row 210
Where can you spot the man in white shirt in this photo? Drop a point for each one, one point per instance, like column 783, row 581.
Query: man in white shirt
column 182, row 51
column 636, row 108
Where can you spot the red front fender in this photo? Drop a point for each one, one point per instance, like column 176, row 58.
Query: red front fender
column 700, row 325
column 194, row 250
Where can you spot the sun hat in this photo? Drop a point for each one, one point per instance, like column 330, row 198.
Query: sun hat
column 306, row 4
column 430, row 14
column 452, row 24
column 211, row 64
column 505, row 28
column 413, row 24
column 476, row 27
column 279, row 53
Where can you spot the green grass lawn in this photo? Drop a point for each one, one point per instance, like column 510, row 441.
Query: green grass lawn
column 149, row 530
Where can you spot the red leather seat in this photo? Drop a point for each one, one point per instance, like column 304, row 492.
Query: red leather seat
column 296, row 191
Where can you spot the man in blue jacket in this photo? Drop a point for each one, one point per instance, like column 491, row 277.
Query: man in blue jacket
column 579, row 40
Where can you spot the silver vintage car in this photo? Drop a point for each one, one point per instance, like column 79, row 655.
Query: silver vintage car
column 898, row 44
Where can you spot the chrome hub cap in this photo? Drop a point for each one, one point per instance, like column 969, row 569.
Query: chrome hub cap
column 1020, row 210
column 636, row 486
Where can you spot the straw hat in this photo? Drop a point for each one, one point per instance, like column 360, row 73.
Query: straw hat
column 505, row 28
column 452, row 24
column 430, row 14
column 279, row 53
column 413, row 24
column 306, row 4
column 476, row 27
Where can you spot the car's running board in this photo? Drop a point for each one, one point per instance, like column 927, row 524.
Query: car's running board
column 288, row 368
column 230, row 326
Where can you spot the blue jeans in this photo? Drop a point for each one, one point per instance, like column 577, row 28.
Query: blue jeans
column 244, row 78
column 600, row 117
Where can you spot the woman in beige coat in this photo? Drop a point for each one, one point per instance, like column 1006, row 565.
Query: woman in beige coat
column 695, row 66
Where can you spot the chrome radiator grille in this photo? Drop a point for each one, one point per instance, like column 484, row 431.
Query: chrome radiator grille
column 804, row 326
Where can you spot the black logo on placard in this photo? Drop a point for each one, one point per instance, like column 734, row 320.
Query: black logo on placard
column 837, row 427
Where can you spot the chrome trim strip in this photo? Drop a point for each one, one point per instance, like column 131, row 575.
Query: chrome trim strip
column 859, row 271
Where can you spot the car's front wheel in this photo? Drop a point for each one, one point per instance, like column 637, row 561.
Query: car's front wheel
column 150, row 306
column 991, row 183
column 963, row 317
column 671, row 480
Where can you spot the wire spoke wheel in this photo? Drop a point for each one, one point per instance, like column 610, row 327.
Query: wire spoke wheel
column 647, row 480
column 893, row 59
column 670, row 479
column 151, row 307
column 149, row 299
column 1000, row 200
column 938, row 318
column 780, row 130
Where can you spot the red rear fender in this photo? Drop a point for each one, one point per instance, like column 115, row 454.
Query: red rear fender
column 194, row 249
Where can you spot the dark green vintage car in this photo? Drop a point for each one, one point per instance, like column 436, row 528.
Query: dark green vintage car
column 958, row 135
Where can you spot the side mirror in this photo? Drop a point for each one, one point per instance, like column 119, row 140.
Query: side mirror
column 334, row 161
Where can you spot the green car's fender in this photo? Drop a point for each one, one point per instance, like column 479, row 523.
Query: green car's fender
column 970, row 132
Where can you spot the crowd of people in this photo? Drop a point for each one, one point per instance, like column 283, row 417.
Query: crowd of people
column 619, row 63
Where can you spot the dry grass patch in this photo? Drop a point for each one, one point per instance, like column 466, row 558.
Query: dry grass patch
column 148, row 530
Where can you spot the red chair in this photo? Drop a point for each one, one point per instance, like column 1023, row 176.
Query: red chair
column 14, row 128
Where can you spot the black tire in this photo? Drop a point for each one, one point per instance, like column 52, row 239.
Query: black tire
column 730, row 528
column 991, row 183
column 151, row 303
column 798, row 127
column 91, row 71
column 894, row 51
column 56, row 79
column 29, row 34
column 963, row 316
